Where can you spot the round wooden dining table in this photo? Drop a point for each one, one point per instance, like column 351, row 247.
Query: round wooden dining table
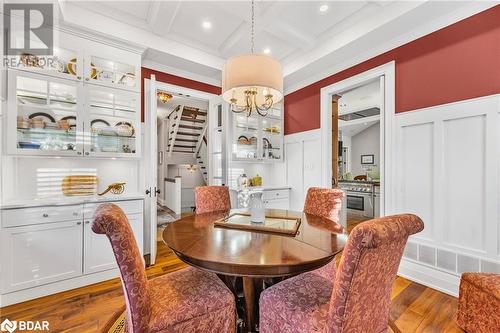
column 254, row 255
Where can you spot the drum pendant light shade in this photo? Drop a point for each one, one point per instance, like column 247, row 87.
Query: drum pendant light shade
column 252, row 72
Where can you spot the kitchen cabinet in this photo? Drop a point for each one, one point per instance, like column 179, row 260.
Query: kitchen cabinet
column 98, row 254
column 82, row 101
column 257, row 138
column 80, row 59
column 40, row 254
column 272, row 198
column 61, row 117
column 45, row 115
column 112, row 118
column 43, row 245
column 277, row 199
column 103, row 68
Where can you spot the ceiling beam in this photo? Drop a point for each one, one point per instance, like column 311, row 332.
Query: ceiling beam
column 161, row 16
column 79, row 16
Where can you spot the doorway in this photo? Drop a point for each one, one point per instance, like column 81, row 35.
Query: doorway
column 176, row 153
column 356, row 126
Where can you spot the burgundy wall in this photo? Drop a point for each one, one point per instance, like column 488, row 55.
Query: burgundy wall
column 455, row 63
column 176, row 80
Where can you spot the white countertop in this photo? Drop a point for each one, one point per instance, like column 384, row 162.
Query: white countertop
column 64, row 201
column 267, row 188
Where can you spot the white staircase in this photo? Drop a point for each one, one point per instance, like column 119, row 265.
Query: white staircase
column 186, row 134
column 186, row 129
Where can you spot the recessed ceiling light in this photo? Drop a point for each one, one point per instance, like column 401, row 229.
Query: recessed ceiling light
column 206, row 24
column 323, row 8
column 267, row 50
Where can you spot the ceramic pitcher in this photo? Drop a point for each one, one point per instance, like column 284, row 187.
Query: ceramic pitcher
column 257, row 212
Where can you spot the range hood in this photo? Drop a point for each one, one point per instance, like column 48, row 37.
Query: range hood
column 360, row 114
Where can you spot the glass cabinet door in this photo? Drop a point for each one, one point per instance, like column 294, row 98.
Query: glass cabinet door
column 272, row 138
column 113, row 122
column 245, row 144
column 65, row 63
column 47, row 110
column 110, row 72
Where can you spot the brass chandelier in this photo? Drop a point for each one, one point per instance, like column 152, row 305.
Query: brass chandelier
column 253, row 81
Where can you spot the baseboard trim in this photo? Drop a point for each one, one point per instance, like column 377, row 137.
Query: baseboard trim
column 433, row 278
column 56, row 287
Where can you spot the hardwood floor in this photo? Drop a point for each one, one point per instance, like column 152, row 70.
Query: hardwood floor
column 415, row 308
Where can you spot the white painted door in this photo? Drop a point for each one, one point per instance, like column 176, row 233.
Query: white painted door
column 217, row 160
column 150, row 156
column 40, row 254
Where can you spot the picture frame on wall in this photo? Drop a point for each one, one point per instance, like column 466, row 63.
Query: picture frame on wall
column 368, row 159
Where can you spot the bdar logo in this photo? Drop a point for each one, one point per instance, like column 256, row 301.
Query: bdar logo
column 8, row 326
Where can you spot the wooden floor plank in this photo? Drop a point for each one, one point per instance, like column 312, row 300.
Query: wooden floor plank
column 415, row 308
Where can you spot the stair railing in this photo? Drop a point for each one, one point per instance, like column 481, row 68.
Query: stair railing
column 200, row 139
column 175, row 128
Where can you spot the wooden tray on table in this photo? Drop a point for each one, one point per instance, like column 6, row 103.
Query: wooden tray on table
column 274, row 224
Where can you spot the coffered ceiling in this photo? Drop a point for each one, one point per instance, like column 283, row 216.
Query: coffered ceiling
column 195, row 38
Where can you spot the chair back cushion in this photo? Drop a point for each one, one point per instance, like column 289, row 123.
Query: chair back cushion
column 211, row 199
column 110, row 220
column 324, row 202
column 361, row 296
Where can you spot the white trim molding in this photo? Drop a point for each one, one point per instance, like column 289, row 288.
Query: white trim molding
column 150, row 64
column 387, row 72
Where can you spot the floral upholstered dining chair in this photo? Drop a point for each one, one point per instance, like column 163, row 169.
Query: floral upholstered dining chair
column 188, row 300
column 211, row 199
column 358, row 299
column 327, row 203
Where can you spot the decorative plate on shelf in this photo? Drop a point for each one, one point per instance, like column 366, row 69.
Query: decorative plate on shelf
column 43, row 115
column 71, row 121
column 124, row 128
column 98, row 122
column 72, row 68
column 266, row 143
column 243, row 140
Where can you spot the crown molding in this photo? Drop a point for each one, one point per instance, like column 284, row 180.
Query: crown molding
column 182, row 73
column 101, row 38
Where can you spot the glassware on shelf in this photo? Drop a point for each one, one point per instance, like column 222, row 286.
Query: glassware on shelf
column 113, row 72
column 46, row 113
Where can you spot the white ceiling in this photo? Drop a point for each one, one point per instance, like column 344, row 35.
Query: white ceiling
column 296, row 32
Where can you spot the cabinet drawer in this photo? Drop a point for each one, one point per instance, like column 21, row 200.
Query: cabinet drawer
column 281, row 203
column 276, row 194
column 39, row 215
column 128, row 207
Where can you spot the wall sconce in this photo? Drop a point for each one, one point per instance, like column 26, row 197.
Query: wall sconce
column 191, row 168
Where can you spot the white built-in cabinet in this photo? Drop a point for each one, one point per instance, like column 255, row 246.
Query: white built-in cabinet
column 39, row 254
column 257, row 138
column 86, row 100
column 277, row 199
column 98, row 253
column 43, row 245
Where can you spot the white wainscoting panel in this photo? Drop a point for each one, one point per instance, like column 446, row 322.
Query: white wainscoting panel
column 464, row 182
column 303, row 164
column 447, row 171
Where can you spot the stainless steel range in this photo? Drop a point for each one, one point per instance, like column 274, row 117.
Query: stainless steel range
column 360, row 197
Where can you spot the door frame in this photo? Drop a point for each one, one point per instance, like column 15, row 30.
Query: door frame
column 147, row 131
column 387, row 71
